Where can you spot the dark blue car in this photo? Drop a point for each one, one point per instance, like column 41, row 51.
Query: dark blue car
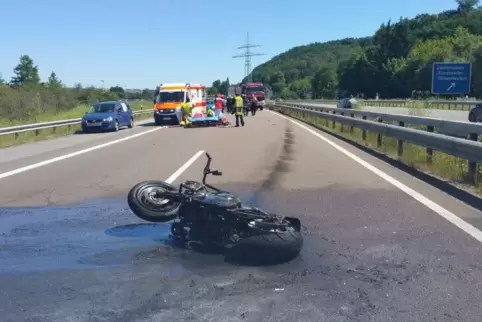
column 108, row 116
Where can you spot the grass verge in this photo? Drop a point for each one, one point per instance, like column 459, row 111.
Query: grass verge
column 444, row 166
column 45, row 134
column 73, row 113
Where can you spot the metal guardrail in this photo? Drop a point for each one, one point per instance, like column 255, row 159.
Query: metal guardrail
column 442, row 104
column 48, row 125
column 468, row 149
column 459, row 129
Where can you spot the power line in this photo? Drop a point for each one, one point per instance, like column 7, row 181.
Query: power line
column 247, row 57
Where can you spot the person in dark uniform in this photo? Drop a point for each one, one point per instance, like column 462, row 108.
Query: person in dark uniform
column 245, row 104
column 253, row 104
column 230, row 104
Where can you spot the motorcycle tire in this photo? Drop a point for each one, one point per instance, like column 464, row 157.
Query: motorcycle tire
column 146, row 208
column 266, row 249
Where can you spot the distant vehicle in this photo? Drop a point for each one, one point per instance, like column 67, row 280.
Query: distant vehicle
column 346, row 103
column 108, row 116
column 258, row 90
column 170, row 97
column 475, row 113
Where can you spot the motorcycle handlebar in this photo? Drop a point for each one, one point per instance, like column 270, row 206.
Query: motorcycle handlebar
column 208, row 164
column 207, row 169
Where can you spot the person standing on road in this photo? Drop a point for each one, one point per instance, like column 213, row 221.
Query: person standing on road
column 253, row 104
column 245, row 104
column 186, row 109
column 218, row 105
column 239, row 106
column 230, row 104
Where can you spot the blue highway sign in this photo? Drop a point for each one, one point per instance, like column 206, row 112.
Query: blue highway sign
column 451, row 78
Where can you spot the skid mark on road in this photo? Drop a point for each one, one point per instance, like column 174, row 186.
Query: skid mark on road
column 283, row 165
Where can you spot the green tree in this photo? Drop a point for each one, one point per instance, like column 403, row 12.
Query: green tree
column 53, row 82
column 325, row 83
column 212, row 90
column 118, row 91
column 26, row 72
column 477, row 70
column 467, row 5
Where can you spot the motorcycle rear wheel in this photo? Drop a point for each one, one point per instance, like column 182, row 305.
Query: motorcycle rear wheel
column 146, row 201
column 265, row 247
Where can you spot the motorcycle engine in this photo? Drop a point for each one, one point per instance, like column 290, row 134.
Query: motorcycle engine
column 222, row 199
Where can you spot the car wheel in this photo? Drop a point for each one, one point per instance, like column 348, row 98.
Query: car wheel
column 472, row 117
column 131, row 124
column 158, row 122
column 116, row 126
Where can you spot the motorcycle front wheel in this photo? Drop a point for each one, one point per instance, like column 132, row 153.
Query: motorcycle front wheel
column 147, row 202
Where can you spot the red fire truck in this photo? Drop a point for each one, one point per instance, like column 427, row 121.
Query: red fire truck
column 256, row 88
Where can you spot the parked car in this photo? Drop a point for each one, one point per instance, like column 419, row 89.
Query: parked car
column 475, row 113
column 108, row 116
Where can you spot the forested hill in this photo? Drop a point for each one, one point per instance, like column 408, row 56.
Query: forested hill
column 395, row 62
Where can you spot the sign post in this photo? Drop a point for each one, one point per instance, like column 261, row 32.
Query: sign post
column 451, row 78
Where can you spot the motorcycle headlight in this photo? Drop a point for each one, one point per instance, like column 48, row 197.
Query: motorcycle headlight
column 108, row 119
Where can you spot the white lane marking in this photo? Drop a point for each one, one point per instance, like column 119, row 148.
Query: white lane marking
column 73, row 154
column 184, row 167
column 451, row 217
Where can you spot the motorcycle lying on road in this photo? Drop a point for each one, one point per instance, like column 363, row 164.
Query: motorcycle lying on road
column 206, row 215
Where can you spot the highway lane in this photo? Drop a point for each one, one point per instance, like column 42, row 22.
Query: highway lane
column 442, row 114
column 372, row 253
column 29, row 153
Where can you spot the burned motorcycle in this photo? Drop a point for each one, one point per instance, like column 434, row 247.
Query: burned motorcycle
column 204, row 214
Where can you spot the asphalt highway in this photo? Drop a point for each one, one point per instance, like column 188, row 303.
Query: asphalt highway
column 379, row 244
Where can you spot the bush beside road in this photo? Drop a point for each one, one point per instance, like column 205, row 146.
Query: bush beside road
column 26, row 100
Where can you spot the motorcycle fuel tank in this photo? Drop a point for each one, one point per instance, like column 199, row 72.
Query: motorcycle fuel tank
column 222, row 199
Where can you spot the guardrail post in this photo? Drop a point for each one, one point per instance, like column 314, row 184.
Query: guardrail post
column 379, row 136
column 37, row 132
column 341, row 124
column 333, row 122
column 472, row 176
column 351, row 126
column 364, row 132
column 429, row 156
column 400, row 142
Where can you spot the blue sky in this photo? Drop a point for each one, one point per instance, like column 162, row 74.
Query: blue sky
column 142, row 43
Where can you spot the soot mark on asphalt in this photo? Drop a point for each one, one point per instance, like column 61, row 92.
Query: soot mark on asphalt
column 101, row 232
column 282, row 165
